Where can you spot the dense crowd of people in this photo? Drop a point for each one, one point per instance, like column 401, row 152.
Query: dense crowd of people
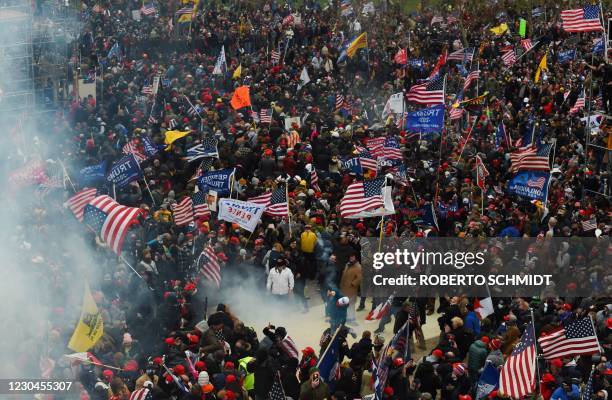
column 170, row 330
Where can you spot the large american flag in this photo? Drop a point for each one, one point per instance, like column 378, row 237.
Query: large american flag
column 472, row 76
column 509, row 58
column 366, row 159
column 578, row 105
column 577, row 337
column 183, row 212
column 275, row 202
column 518, row 374
column 131, row 147
column 362, row 196
column 532, row 158
column 200, row 206
column 431, row 92
column 385, row 146
column 209, row 266
column 339, row 101
column 462, row 55
column 110, row 220
column 584, row 19
column 78, row 202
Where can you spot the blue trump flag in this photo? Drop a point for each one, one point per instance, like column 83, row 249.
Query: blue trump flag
column 429, row 119
column 92, row 174
column 599, row 47
column 428, row 216
column 489, row 381
column 218, row 181
column 353, row 165
column 565, row 56
column 124, row 171
column 530, row 184
column 417, row 63
column 150, row 148
column 329, row 363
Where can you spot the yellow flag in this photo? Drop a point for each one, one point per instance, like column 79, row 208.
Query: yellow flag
column 185, row 18
column 541, row 67
column 499, row 29
column 90, row 327
column 172, row 136
column 237, row 72
column 360, row 42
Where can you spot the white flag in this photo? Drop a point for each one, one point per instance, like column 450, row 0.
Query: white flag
column 395, row 105
column 304, row 78
column 243, row 213
column 221, row 64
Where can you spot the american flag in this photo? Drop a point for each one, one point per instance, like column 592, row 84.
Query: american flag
column 200, row 206
column 451, row 20
column 185, row 10
column 473, row 75
column 148, row 9
column 141, row 394
column 509, row 58
column 339, row 101
column 289, row 347
column 398, row 346
column 293, row 139
column 481, row 173
column 362, row 196
column 265, row 116
column 584, row 19
column 578, row 105
column 462, row 55
column 518, row 374
column 587, row 393
column 431, row 92
column 147, row 89
column 380, row 311
column 589, row 225
column 275, row 202
column 275, row 57
column 172, row 123
column 385, row 146
column 436, row 20
column 194, row 110
column 182, row 211
column 78, row 202
column 455, row 113
column 110, row 220
column 209, row 266
column 527, row 45
column 577, row 337
column 531, row 158
column 277, row 392
column 131, row 147
column 536, row 182
column 152, row 120
column 366, row 159
column 314, row 179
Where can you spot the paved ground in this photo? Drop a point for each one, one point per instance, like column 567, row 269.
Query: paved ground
column 306, row 328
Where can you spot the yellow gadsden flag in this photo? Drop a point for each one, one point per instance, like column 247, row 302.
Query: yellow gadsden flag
column 541, row 67
column 90, row 327
column 173, row 136
column 237, row 72
column 499, row 29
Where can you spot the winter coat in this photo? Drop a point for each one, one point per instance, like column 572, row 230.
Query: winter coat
column 561, row 394
column 472, row 323
column 496, row 358
column 307, row 392
column 351, row 280
column 280, row 282
column 477, row 355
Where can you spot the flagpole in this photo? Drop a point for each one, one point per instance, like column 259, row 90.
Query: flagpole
column 114, row 193
column 191, row 104
column 329, row 345
column 535, row 345
column 605, row 38
column 66, row 174
column 94, row 363
column 136, row 272
column 288, row 209
column 466, row 140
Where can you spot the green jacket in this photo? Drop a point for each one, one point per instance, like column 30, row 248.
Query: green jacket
column 477, row 355
column 321, row 392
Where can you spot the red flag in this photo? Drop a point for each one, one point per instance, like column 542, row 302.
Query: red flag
column 401, row 57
